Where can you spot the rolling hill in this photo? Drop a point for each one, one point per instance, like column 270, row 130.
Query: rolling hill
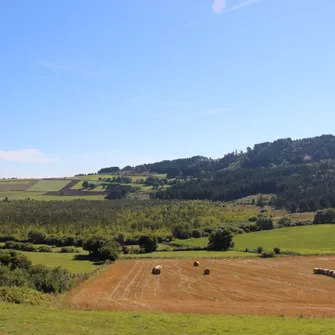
column 299, row 173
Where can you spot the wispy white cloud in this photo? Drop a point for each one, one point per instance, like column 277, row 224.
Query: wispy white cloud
column 25, row 156
column 67, row 69
column 240, row 5
column 219, row 8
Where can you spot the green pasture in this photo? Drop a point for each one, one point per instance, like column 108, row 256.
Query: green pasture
column 307, row 240
column 77, row 186
column 191, row 242
column 36, row 320
column 48, row 185
column 65, row 260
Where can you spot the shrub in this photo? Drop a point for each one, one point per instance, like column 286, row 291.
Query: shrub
column 8, row 238
column 19, row 246
column 36, row 237
column 125, row 250
column 222, row 239
column 44, row 248
column 269, row 254
column 259, row 250
column 264, row 223
column 325, row 216
column 58, row 280
column 94, row 244
column 196, row 233
column 68, row 250
column 286, row 222
column 148, row 243
column 110, row 252
column 181, row 231
column 132, row 241
column 276, row 250
column 19, row 261
column 24, row 295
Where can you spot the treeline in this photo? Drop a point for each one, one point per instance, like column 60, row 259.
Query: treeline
column 282, row 152
column 302, row 188
column 61, row 221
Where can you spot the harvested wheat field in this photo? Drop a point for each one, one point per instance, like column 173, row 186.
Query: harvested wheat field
column 281, row 286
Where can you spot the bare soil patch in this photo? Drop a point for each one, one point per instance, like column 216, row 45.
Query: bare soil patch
column 281, row 286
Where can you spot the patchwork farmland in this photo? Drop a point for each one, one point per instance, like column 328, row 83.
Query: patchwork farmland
column 281, row 286
column 67, row 188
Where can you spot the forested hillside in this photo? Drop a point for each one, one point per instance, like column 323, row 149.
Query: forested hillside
column 282, row 152
column 300, row 173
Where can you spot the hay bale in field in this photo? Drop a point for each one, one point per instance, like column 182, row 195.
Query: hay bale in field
column 330, row 272
column 316, row 271
column 156, row 270
column 196, row 263
column 334, row 274
column 207, row 272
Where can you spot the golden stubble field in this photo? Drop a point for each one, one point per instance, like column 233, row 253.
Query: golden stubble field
column 280, row 286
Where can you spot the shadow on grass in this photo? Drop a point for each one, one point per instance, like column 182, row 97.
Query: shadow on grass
column 94, row 260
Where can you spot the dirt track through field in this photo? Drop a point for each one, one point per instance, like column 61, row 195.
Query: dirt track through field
column 282, row 286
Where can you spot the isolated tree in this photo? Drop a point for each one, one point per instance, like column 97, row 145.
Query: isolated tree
column 36, row 237
column 148, row 243
column 85, row 184
column 222, row 239
column 264, row 223
column 94, row 244
column 181, row 231
column 109, row 251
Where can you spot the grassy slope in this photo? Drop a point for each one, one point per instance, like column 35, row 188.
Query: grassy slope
column 21, row 319
column 48, row 185
column 316, row 239
column 192, row 242
column 61, row 259
column 307, row 240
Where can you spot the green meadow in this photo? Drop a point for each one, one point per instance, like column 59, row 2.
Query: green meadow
column 306, row 240
column 66, row 260
column 35, row 320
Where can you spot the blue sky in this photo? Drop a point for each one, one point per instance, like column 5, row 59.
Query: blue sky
column 86, row 84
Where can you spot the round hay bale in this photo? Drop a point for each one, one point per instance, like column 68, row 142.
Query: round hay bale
column 316, row 270
column 330, row 272
column 326, row 271
column 334, row 274
column 156, row 270
column 207, row 272
column 196, row 263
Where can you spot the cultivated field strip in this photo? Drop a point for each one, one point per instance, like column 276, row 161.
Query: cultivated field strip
column 281, row 286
